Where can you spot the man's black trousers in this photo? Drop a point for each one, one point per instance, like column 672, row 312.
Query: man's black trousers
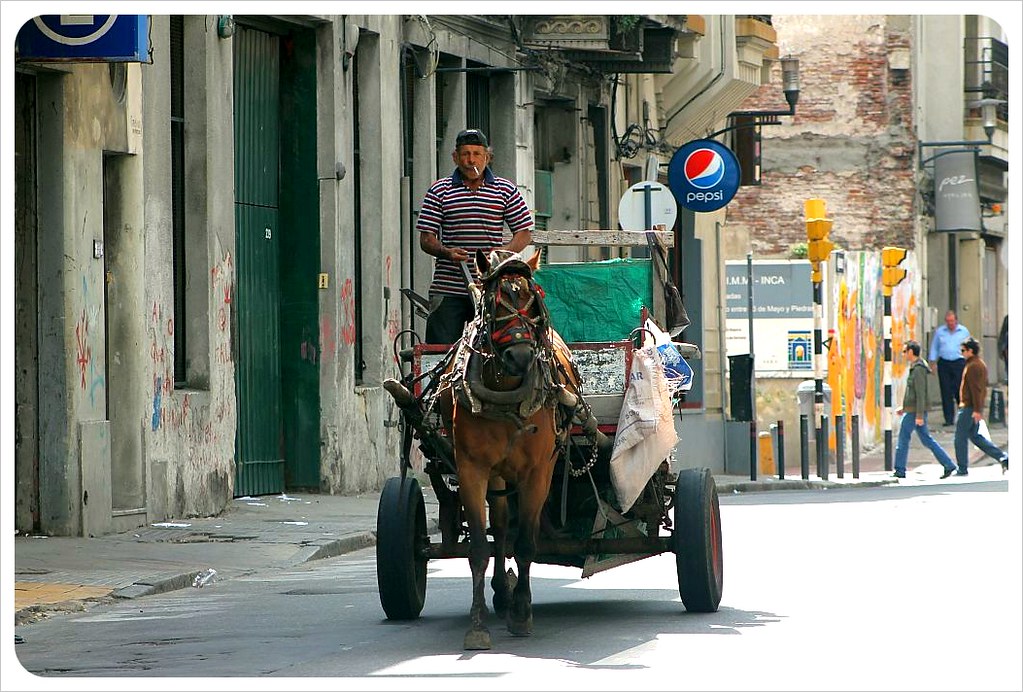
column 950, row 375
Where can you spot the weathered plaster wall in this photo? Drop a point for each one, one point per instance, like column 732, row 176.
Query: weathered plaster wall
column 189, row 431
column 850, row 143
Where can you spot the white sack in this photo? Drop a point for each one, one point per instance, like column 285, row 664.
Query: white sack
column 646, row 427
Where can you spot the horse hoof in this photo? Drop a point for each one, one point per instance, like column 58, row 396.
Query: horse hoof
column 520, row 628
column 477, row 640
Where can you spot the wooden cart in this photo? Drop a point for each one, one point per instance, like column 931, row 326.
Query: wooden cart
column 677, row 511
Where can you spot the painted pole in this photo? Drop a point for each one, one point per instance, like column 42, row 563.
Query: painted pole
column 753, row 460
column 819, row 248
column 891, row 275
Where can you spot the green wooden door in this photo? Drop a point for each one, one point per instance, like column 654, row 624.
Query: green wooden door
column 259, row 448
column 300, row 262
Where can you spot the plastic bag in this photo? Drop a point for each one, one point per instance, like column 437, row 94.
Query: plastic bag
column 982, row 429
column 676, row 369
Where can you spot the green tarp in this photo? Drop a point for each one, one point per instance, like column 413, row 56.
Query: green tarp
column 596, row 301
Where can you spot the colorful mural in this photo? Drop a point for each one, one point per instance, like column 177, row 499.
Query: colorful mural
column 856, row 354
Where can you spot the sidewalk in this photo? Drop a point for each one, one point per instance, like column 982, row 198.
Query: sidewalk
column 54, row 575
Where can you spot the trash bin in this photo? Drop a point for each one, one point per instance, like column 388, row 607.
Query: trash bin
column 740, row 382
column 804, row 394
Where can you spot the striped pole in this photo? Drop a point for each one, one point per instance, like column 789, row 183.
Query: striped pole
column 886, row 412
column 819, row 248
column 891, row 275
column 818, row 375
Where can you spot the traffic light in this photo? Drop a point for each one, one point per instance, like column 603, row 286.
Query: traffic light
column 891, row 273
column 818, row 247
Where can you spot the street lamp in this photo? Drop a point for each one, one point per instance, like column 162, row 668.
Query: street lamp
column 989, row 120
column 790, row 87
column 790, row 81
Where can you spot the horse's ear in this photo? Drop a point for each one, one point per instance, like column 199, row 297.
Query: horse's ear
column 482, row 265
column 534, row 261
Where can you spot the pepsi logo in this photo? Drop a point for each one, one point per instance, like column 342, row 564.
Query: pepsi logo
column 704, row 168
column 703, row 175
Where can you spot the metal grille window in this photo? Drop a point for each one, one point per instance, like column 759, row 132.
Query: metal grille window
column 407, row 76
column 177, row 133
column 543, row 183
column 477, row 102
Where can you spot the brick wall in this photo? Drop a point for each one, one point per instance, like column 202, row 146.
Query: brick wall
column 850, row 143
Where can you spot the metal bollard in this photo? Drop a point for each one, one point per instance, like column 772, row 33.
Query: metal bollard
column 781, row 450
column 823, row 446
column 753, row 444
column 818, row 446
column 856, row 445
column 840, row 445
column 804, row 446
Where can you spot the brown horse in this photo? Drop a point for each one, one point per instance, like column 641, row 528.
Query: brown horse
column 509, row 399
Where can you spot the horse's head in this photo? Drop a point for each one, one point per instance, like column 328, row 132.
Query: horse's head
column 515, row 317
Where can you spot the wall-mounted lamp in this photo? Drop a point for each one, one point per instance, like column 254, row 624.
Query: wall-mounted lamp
column 789, row 86
column 989, row 115
column 989, row 120
column 225, row 26
column 790, row 81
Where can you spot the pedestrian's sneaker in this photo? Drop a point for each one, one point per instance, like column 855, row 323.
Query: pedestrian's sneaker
column 898, row 474
column 962, row 473
column 1005, row 463
column 947, row 472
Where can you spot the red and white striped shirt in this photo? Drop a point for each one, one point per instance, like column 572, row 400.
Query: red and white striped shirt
column 472, row 220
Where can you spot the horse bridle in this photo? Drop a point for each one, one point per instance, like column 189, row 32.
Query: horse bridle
column 516, row 325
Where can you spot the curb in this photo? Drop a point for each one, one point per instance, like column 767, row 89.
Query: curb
column 795, row 484
column 141, row 588
column 341, row 546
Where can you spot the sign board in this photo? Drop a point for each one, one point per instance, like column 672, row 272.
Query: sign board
column 85, row 38
column 782, row 315
column 632, row 207
column 782, row 289
column 956, row 201
column 703, row 175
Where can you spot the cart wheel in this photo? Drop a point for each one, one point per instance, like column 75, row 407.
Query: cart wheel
column 697, row 541
column 401, row 535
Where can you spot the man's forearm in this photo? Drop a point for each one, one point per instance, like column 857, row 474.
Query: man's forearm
column 519, row 241
column 431, row 245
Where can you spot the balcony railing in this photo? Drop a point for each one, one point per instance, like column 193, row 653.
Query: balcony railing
column 986, row 73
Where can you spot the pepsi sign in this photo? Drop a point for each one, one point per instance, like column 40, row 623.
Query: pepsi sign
column 703, row 175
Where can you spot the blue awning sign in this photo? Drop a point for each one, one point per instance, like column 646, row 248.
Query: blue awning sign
column 84, row 38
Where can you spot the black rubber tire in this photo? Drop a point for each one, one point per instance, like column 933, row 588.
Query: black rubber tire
column 697, row 541
column 401, row 535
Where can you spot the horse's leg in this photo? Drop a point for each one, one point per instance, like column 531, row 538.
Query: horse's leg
column 499, row 529
column 472, row 488
column 531, row 496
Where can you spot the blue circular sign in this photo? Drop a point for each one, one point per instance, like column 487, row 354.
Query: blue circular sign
column 75, row 29
column 703, row 175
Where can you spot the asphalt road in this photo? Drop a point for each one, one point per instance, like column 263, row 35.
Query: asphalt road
column 881, row 588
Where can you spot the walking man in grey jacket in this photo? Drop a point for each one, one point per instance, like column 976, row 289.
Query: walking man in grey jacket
column 914, row 415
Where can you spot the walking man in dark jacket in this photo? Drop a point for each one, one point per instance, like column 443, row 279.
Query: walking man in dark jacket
column 972, row 391
column 914, row 415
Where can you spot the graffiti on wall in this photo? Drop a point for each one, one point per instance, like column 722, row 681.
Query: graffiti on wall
column 348, row 305
column 222, row 289
column 856, row 358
